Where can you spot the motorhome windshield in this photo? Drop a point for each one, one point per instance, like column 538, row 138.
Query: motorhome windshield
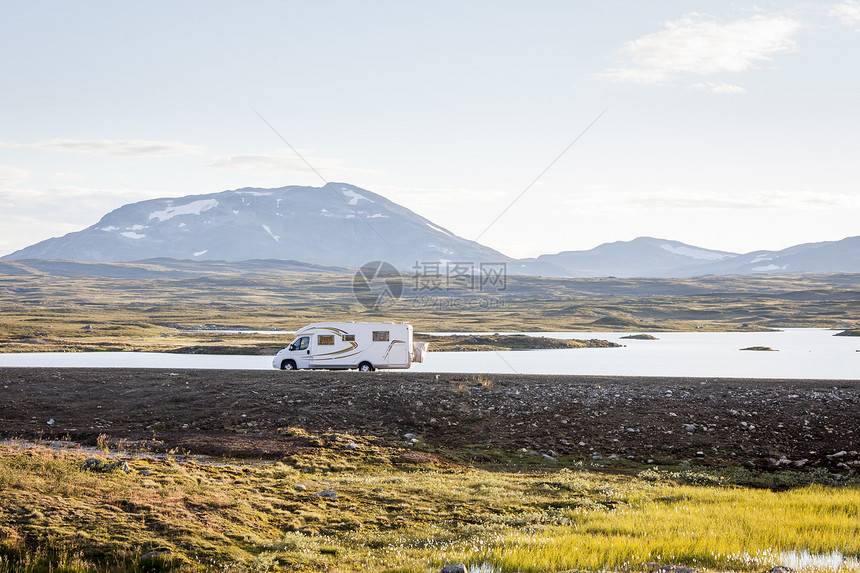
column 300, row 343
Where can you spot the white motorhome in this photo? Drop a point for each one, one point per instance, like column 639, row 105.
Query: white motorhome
column 343, row 345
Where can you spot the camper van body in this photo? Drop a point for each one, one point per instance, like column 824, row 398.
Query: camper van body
column 344, row 345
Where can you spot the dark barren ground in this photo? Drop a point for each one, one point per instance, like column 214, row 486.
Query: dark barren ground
column 487, row 418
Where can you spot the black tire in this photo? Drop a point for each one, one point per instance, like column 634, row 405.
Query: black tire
column 365, row 367
column 288, row 365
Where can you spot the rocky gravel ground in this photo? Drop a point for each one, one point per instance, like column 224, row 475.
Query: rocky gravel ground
column 766, row 423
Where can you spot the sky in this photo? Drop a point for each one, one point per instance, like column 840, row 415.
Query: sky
column 536, row 127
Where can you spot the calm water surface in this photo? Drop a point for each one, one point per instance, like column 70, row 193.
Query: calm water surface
column 800, row 353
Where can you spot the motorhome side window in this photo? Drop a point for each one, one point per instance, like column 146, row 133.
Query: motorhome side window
column 380, row 336
column 349, row 338
column 301, row 343
column 325, row 339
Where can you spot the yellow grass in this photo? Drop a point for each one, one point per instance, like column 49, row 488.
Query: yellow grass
column 56, row 516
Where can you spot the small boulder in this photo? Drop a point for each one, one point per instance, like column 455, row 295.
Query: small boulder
column 159, row 553
column 101, row 466
column 780, row 569
column 331, row 494
column 454, row 568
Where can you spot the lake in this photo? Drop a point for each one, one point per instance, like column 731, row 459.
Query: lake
column 800, row 353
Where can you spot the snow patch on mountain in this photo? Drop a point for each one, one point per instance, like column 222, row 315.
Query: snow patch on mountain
column 440, row 229
column 694, row 253
column 769, row 268
column 354, row 197
column 269, row 230
column 132, row 235
column 193, row 208
column 201, row 253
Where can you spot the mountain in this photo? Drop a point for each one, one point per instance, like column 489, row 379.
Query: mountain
column 641, row 257
column 650, row 257
column 340, row 226
column 337, row 224
column 823, row 257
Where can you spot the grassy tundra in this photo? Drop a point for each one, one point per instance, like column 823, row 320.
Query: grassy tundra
column 373, row 508
column 131, row 306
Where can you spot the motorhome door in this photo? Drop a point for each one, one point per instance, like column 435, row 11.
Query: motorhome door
column 300, row 351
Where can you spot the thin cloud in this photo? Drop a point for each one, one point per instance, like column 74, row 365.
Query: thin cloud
column 111, row 147
column 286, row 162
column 719, row 88
column 11, row 176
column 605, row 200
column 698, row 45
column 848, row 13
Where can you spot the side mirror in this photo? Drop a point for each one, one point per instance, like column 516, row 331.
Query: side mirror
column 292, row 347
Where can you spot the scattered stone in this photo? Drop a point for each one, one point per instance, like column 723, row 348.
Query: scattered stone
column 549, row 458
column 410, row 436
column 331, row 494
column 145, row 472
column 101, row 466
column 87, row 327
column 454, row 568
column 838, row 455
column 161, row 552
column 780, row 569
column 689, row 427
column 352, row 446
column 800, row 463
column 300, row 487
column 50, row 422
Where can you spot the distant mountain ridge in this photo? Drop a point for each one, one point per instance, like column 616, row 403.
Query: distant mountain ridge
column 660, row 258
column 644, row 256
column 340, row 226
